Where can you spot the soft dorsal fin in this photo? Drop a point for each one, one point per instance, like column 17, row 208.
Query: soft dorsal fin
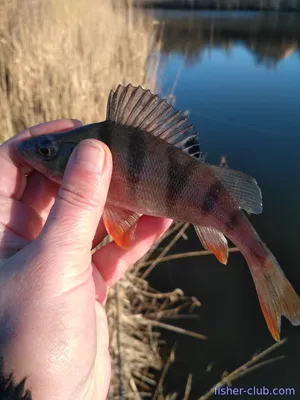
column 139, row 108
column 242, row 187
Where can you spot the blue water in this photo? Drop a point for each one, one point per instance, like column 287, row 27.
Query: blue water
column 240, row 83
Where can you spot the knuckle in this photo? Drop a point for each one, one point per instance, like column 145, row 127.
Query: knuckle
column 80, row 196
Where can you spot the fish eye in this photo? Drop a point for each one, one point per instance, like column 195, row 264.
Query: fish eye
column 48, row 151
column 45, row 151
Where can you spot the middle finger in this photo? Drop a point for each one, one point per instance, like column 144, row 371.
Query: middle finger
column 19, row 218
column 40, row 193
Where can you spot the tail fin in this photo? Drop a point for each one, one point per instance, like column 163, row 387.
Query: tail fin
column 276, row 295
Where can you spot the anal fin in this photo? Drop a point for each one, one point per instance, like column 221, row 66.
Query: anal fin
column 121, row 225
column 214, row 241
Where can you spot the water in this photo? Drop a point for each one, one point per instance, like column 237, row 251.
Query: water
column 238, row 74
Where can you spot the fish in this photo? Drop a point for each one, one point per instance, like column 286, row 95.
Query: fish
column 158, row 170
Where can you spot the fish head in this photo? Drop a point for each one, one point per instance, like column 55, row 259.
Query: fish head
column 48, row 154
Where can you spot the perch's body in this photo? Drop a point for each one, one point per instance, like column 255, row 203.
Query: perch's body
column 157, row 171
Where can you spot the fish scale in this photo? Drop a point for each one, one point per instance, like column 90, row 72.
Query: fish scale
column 158, row 171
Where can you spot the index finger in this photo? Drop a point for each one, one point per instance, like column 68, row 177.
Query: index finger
column 12, row 167
column 112, row 261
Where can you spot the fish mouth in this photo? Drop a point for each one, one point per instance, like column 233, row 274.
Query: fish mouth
column 25, row 147
column 27, row 153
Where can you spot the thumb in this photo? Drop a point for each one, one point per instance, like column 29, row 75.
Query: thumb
column 75, row 215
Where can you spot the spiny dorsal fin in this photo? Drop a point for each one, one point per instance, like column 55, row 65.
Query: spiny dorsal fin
column 242, row 187
column 139, row 108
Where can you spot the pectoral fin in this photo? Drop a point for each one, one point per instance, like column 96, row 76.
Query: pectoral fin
column 121, row 225
column 214, row 241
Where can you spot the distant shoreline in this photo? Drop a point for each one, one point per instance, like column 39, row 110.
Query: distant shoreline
column 232, row 5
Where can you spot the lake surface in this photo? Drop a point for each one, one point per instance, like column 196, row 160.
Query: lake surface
column 238, row 75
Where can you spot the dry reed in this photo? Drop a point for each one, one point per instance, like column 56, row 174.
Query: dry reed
column 134, row 309
column 61, row 58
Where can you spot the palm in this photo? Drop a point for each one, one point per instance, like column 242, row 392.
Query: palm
column 25, row 205
column 64, row 289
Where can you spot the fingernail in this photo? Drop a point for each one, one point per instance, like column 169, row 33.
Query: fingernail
column 90, row 155
column 101, row 289
column 76, row 122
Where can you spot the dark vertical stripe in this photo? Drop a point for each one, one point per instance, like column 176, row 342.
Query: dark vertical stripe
column 106, row 132
column 211, row 197
column 135, row 158
column 233, row 220
column 178, row 177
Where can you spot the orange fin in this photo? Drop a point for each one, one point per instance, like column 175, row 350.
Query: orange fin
column 276, row 295
column 121, row 225
column 214, row 241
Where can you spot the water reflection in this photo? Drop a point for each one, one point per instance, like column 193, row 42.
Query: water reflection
column 270, row 37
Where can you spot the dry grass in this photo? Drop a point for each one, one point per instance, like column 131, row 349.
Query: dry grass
column 61, row 58
column 134, row 309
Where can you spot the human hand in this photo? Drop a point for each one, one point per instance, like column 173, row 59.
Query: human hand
column 53, row 326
